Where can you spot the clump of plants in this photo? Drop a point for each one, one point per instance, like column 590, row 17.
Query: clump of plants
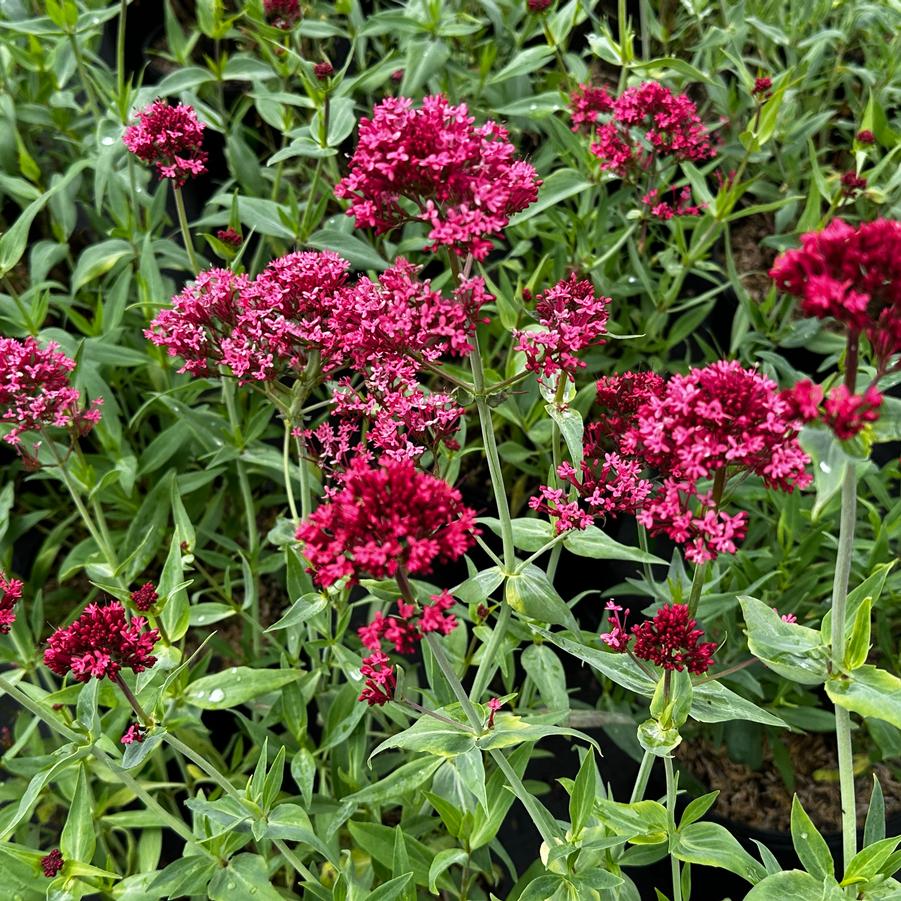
column 440, row 440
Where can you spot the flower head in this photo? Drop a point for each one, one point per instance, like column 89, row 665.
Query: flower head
column 586, row 103
column 145, row 597
column 282, row 13
column 323, row 70
column 803, row 400
column 52, row 863
column 847, row 414
column 493, row 705
column 681, row 204
column 10, row 594
column 617, row 638
column 762, row 86
column 671, row 640
column 170, row 138
column 380, row 683
column 574, row 318
column 230, row 237
column 36, row 391
column 647, row 122
column 538, row 6
column 865, row 136
column 852, row 275
column 101, row 642
column 384, row 517
column 852, row 183
column 435, row 165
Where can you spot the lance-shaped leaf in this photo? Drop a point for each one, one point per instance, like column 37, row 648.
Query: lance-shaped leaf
column 870, row 692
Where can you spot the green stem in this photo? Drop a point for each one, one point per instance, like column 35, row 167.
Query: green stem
column 489, row 662
column 697, row 583
column 557, row 450
column 83, row 75
column 641, row 780
column 306, row 493
column 671, row 810
column 643, row 544
column 120, row 51
column 286, row 471
column 185, row 231
column 133, row 701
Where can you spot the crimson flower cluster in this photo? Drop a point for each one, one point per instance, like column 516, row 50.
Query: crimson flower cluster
column 846, row 413
column 145, row 597
column 406, row 629
column 850, row 274
column 379, row 682
column 660, row 438
column 573, row 318
column 662, row 209
column 10, row 594
column 169, row 138
column 134, row 734
column 101, row 642
column 282, row 13
column 433, row 164
column 381, row 518
column 670, row 640
column 52, row 863
column 36, row 391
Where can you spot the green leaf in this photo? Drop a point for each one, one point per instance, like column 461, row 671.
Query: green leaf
column 559, row 185
column 246, row 878
column 529, row 534
column 423, row 60
column 712, row 702
column 15, row 240
column 432, row 736
column 292, row 822
column 477, row 588
column 712, row 845
column 868, row 691
column 98, row 259
column 237, row 685
column 78, row 837
column 378, row 841
column 500, row 799
column 657, row 68
column 530, row 593
column 581, row 801
column 304, row 608
column 657, row 739
column 444, row 860
column 642, row 823
column 525, row 61
column 471, row 769
column 874, row 828
column 858, row 646
column 184, row 876
column 569, row 421
column 810, row 846
column 791, row 885
column 867, row 863
column 545, row 669
column 794, row 652
column 696, row 808
column 390, row 890
column 357, row 252
column 598, row 545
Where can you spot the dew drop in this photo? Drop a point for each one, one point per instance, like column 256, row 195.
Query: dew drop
column 108, row 140
column 825, row 467
column 217, row 694
column 804, row 835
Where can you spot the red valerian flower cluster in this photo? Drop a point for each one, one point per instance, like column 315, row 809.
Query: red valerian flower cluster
column 645, row 123
column 670, row 640
column 52, row 863
column 170, row 138
column 145, row 597
column 659, row 439
column 323, row 70
column 230, row 236
column 36, row 391
column 101, row 642
column 435, row 165
column 380, row 683
column 381, row 518
column 573, row 317
column 845, row 413
column 403, row 630
column 282, row 13
column 852, row 275
column 10, row 595
column 681, row 204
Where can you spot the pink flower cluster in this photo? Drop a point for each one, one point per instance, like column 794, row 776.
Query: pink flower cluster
column 380, row 683
column 847, row 414
column 669, row 640
column 681, row 204
column 645, row 123
column 852, row 275
column 574, row 318
column 659, row 439
column 101, row 642
column 170, row 138
column 404, row 631
column 10, row 595
column 36, row 392
column 134, row 734
column 433, row 164
column 381, row 518
column 145, row 597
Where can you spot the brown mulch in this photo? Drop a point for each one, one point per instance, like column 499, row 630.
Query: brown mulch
column 761, row 799
column 753, row 260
